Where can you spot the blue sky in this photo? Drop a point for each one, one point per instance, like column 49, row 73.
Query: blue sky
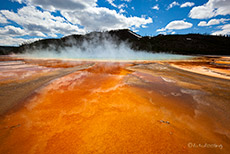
column 30, row 20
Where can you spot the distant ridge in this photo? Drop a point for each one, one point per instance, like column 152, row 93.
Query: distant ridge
column 180, row 44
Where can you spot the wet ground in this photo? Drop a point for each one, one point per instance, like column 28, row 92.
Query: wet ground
column 67, row 106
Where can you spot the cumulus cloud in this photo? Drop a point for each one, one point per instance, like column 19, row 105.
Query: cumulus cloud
column 187, row 4
column 210, row 9
column 7, row 40
column 39, row 34
column 32, row 19
column 17, row 31
column 91, row 18
column 12, row 31
column 225, row 30
column 179, row 24
column 161, row 30
column 213, row 22
column 77, row 16
column 100, row 18
column 60, row 4
column 3, row 20
column 174, row 25
column 172, row 5
column 156, row 7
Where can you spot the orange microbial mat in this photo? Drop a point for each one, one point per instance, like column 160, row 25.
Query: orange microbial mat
column 67, row 106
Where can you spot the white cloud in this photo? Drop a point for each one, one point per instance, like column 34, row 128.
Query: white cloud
column 179, row 24
column 19, row 1
column 161, row 30
column 121, row 11
column 74, row 14
column 37, row 33
column 156, row 7
column 213, row 22
column 163, row 33
column 176, row 25
column 17, row 31
column 12, row 31
column 225, row 30
column 187, row 4
column 202, row 23
column 210, row 9
column 60, row 4
column 111, row 3
column 122, row 6
column 127, row 0
column 32, row 19
column 15, row 41
column 100, row 18
column 172, row 5
column 3, row 20
column 90, row 17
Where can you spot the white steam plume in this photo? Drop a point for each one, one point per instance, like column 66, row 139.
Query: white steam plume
column 98, row 47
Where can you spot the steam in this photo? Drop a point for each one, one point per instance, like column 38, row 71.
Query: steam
column 97, row 47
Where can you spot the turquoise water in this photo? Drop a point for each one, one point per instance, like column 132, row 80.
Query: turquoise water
column 105, row 55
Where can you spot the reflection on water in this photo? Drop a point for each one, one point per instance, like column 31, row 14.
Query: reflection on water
column 116, row 107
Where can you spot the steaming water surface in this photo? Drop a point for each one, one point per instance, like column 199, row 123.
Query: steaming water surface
column 105, row 48
column 107, row 51
column 107, row 56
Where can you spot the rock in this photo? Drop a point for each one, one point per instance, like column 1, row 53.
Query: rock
column 162, row 121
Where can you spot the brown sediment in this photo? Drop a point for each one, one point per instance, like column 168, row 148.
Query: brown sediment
column 13, row 93
column 148, row 107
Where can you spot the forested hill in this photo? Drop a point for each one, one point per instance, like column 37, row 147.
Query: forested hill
column 181, row 44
